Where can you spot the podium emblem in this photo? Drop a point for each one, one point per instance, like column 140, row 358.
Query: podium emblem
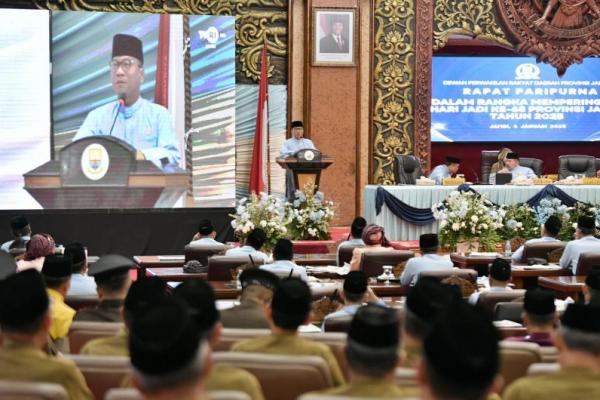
column 309, row 155
column 95, row 161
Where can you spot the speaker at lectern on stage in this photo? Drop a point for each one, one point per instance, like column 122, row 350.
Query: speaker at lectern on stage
column 102, row 172
column 306, row 166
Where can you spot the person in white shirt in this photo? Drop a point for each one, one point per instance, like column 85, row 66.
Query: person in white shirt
column 584, row 242
column 499, row 280
column 206, row 235
column 284, row 266
column 20, row 229
column 290, row 147
column 355, row 238
column 81, row 283
column 511, row 165
column 429, row 261
column 550, row 230
column 442, row 171
column 254, row 243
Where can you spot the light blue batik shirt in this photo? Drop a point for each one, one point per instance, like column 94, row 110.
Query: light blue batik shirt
column 439, row 173
column 292, row 146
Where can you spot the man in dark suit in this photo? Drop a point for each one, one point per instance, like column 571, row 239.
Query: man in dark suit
column 335, row 42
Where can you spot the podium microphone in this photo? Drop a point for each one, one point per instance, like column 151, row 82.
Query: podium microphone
column 119, row 109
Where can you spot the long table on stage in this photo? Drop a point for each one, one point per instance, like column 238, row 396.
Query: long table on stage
column 427, row 196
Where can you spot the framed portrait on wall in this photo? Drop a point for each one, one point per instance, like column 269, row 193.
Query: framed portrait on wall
column 334, row 37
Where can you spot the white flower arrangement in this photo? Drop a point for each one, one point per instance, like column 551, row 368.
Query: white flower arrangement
column 309, row 216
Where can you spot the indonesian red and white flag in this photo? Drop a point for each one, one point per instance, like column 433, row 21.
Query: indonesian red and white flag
column 258, row 167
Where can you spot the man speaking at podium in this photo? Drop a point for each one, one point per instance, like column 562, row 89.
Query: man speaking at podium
column 144, row 125
column 290, row 147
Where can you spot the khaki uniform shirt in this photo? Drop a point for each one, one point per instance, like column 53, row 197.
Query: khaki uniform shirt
column 109, row 346
column 567, row 384
column 26, row 363
column 107, row 311
column 371, row 388
column 292, row 345
column 247, row 315
column 62, row 315
column 225, row 377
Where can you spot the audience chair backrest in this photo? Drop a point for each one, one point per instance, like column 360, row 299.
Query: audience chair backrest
column 372, row 262
column 468, row 274
column 123, row 394
column 202, row 253
column 82, row 332
column 576, row 164
column 81, row 302
column 345, row 253
column 535, row 164
column 282, row 377
column 12, row 390
column 220, row 267
column 586, row 261
column 544, row 368
column 407, row 169
column 334, row 397
column 488, row 158
column 229, row 336
column 337, row 324
column 511, row 311
column 102, row 372
column 541, row 250
column 549, row 354
column 488, row 300
column 515, row 359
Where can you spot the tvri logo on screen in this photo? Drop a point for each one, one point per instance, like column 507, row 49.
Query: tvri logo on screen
column 211, row 35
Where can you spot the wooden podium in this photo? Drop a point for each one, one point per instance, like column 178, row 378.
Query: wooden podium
column 306, row 166
column 102, row 172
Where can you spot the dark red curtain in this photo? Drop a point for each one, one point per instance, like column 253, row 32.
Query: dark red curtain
column 161, row 91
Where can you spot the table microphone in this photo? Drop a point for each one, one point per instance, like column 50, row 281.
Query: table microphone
column 119, row 109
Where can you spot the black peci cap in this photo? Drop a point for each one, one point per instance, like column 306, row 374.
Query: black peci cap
column 18, row 222
column 500, row 270
column 428, row 241
column 127, row 45
column 200, row 298
column 512, row 156
column 292, row 297
column 23, row 299
column 297, row 124
column 539, row 302
column 356, row 282
column 586, row 222
column 205, row 227
column 144, row 294
column 428, row 297
column 452, row 160
column 375, row 326
column 582, row 317
column 56, row 266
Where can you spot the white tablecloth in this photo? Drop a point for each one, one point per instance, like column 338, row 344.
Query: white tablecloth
column 427, row 196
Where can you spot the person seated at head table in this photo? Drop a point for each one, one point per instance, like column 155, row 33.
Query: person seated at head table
column 584, row 241
column 112, row 281
column 291, row 307
column 81, row 283
column 206, row 235
column 498, row 165
column 284, row 265
column 429, row 260
column 200, row 297
column 169, row 356
column 57, row 275
column 461, row 357
column 373, row 353
column 252, row 248
column 511, row 166
column 591, row 290
column 39, row 246
column 25, row 321
column 143, row 294
column 550, row 230
column 499, row 279
column 578, row 343
column 424, row 303
column 539, row 317
column 17, row 248
column 20, row 229
column 374, row 238
column 445, row 170
column 257, row 291
column 355, row 237
column 355, row 293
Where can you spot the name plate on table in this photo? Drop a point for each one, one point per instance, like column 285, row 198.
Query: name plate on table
column 484, row 254
column 540, row 267
column 171, row 258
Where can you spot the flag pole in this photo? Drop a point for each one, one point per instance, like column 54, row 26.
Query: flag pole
column 267, row 125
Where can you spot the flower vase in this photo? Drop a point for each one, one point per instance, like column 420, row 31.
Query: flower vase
column 467, row 246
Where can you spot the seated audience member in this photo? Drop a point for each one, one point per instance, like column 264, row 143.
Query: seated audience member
column 356, row 292
column 8, row 266
column 170, row 359
column 143, row 294
column 257, row 291
column 20, row 229
column 290, row 308
column 355, row 237
column 539, row 317
column 372, row 351
column 498, row 165
column 460, row 356
column 578, row 343
column 429, row 260
column 512, row 166
column 584, row 241
column 18, row 248
column 254, row 243
column 591, row 290
column 200, row 297
column 206, row 235
column 550, row 230
column 25, row 321
column 39, row 246
column 283, row 265
column 374, row 238
column 424, row 302
column 57, row 275
column 81, row 283
column 499, row 279
column 446, row 170
column 112, row 281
